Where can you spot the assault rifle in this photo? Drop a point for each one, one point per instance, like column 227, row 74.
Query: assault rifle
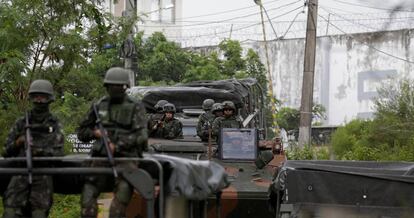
column 158, row 122
column 28, row 144
column 105, row 140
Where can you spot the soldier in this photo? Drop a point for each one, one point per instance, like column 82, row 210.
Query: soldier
column 154, row 118
column 169, row 127
column 205, row 120
column 46, row 140
column 228, row 120
column 217, row 110
column 125, row 125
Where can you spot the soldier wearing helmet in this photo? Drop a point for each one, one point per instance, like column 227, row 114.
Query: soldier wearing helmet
column 126, row 127
column 228, row 120
column 153, row 119
column 205, row 120
column 169, row 127
column 217, row 110
column 46, row 140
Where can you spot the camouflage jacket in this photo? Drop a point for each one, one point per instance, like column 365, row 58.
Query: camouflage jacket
column 170, row 129
column 205, row 122
column 222, row 122
column 47, row 137
column 126, row 127
column 152, row 121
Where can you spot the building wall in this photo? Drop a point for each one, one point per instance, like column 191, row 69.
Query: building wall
column 347, row 71
column 152, row 13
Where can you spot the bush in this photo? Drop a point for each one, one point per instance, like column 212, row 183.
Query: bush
column 344, row 138
column 65, row 206
column 308, row 153
column 389, row 136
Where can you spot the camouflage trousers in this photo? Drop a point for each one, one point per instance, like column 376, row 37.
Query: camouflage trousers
column 93, row 186
column 20, row 196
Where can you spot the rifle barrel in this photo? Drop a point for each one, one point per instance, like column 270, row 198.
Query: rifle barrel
column 105, row 140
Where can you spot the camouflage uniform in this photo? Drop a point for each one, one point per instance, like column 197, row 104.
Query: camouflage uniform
column 154, row 118
column 125, row 123
column 226, row 122
column 47, row 140
column 169, row 129
column 205, row 120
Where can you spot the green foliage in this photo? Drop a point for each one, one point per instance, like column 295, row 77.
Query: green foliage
column 234, row 61
column 65, row 206
column 288, row 118
column 389, row 136
column 59, row 41
column 307, row 153
column 159, row 59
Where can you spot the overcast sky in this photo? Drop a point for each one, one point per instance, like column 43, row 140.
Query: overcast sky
column 232, row 18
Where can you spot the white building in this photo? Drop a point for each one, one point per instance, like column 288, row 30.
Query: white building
column 154, row 15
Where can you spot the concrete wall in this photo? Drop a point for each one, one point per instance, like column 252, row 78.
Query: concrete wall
column 347, row 71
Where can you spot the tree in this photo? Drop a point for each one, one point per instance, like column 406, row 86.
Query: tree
column 233, row 60
column 61, row 41
column 389, row 136
column 288, row 118
column 161, row 59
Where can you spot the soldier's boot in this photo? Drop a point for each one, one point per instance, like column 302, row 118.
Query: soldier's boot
column 89, row 201
column 123, row 193
column 39, row 213
column 12, row 212
column 118, row 209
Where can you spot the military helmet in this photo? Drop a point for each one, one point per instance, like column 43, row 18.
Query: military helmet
column 117, row 76
column 207, row 104
column 169, row 108
column 216, row 107
column 160, row 104
column 42, row 86
column 229, row 104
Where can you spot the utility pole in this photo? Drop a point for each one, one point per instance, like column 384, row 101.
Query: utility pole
column 269, row 74
column 128, row 50
column 308, row 75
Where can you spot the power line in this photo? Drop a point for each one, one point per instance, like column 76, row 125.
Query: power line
column 233, row 18
column 372, row 7
column 224, row 12
column 368, row 27
column 291, row 23
column 245, row 27
column 370, row 46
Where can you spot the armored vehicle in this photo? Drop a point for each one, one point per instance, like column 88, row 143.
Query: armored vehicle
column 343, row 189
column 250, row 166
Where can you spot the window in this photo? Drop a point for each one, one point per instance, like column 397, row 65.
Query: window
column 238, row 144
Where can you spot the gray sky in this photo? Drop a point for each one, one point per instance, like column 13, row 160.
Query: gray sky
column 208, row 22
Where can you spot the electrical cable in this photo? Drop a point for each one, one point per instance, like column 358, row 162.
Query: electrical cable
column 248, row 26
column 370, row 46
column 233, row 18
column 368, row 27
column 227, row 11
column 372, row 7
column 291, row 23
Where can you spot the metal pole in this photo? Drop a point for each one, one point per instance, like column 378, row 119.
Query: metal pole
column 270, row 21
column 327, row 24
column 308, row 76
column 129, row 51
column 269, row 74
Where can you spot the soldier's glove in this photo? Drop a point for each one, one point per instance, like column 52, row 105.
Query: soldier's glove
column 112, row 147
column 20, row 140
column 97, row 133
column 157, row 125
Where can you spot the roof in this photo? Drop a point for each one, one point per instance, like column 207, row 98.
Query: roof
column 191, row 95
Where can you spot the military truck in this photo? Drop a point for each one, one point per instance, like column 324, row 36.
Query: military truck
column 250, row 169
column 343, row 189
